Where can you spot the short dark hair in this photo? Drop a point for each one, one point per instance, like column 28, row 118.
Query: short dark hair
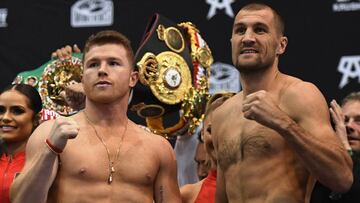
column 353, row 96
column 110, row 37
column 29, row 92
column 279, row 21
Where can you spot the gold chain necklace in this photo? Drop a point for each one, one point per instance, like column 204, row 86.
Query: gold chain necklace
column 111, row 163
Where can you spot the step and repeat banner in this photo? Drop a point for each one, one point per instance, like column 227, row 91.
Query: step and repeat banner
column 324, row 36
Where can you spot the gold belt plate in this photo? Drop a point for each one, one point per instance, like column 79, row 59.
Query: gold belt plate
column 167, row 74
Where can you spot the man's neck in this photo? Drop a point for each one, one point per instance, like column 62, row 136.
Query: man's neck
column 258, row 80
column 107, row 114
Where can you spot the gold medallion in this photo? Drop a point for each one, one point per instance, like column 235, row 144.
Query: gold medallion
column 167, row 89
column 172, row 37
column 167, row 74
column 203, row 56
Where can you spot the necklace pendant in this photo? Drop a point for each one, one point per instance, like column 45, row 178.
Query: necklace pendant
column 112, row 170
column 110, row 179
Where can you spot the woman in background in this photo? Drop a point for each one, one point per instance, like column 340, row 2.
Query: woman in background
column 19, row 115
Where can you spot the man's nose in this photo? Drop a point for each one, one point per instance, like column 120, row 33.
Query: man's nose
column 350, row 126
column 103, row 70
column 349, row 130
column 248, row 37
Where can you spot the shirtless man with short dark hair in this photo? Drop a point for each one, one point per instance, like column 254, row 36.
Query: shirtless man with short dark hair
column 275, row 135
column 99, row 155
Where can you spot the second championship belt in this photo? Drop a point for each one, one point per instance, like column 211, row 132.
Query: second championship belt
column 174, row 67
column 51, row 80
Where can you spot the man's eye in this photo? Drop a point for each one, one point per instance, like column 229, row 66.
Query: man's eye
column 346, row 119
column 260, row 30
column 357, row 119
column 92, row 65
column 114, row 63
column 240, row 30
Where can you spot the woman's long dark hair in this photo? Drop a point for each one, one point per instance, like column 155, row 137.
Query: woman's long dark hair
column 30, row 92
column 34, row 102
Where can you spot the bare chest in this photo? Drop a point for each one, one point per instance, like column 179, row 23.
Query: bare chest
column 240, row 139
column 88, row 159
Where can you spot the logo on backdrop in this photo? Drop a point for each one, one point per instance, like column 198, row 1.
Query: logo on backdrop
column 349, row 66
column 92, row 13
column 219, row 5
column 224, row 77
column 3, row 16
column 346, row 5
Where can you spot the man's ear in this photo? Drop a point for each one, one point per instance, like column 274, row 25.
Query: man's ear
column 134, row 77
column 282, row 45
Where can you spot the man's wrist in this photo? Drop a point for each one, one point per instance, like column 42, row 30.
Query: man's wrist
column 287, row 126
column 52, row 147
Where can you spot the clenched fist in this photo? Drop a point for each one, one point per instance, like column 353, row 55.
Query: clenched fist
column 64, row 128
column 261, row 107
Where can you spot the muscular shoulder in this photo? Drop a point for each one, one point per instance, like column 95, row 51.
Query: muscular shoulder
column 42, row 130
column 303, row 98
column 301, row 92
column 156, row 143
column 145, row 134
column 163, row 151
column 37, row 139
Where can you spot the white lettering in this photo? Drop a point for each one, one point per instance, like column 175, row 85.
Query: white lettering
column 3, row 16
column 349, row 66
column 90, row 13
column 220, row 4
column 351, row 6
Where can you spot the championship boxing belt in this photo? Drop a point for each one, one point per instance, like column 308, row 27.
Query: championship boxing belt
column 174, row 67
column 29, row 77
column 51, row 79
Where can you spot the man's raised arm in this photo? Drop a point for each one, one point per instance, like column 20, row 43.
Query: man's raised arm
column 41, row 165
